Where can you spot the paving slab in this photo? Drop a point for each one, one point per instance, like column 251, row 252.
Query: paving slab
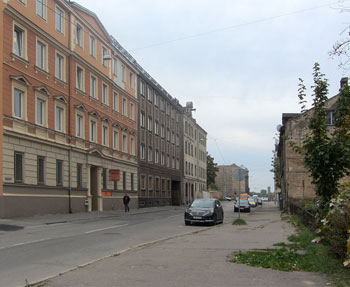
column 198, row 259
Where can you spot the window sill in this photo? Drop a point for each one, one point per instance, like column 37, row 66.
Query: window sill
column 59, row 81
column 19, row 58
column 41, row 71
column 81, row 92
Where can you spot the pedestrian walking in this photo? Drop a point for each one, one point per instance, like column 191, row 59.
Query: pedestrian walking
column 126, row 200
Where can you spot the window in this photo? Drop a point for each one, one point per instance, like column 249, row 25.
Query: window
column 149, row 124
column 150, row 153
column 79, row 175
column 156, row 156
column 92, row 46
column 115, row 185
column 143, row 182
column 59, row 119
column 41, row 55
column 132, row 145
column 162, row 159
column 93, row 87
column 123, row 73
column 149, row 94
column 92, row 131
column 18, row 41
column 40, row 112
column 330, row 118
column 79, row 126
column 162, row 131
column 105, row 94
column 18, row 168
column 156, row 99
column 104, row 53
column 124, row 143
column 131, row 79
column 18, row 100
column 142, row 151
column 59, row 172
column 114, row 66
column 115, row 101
column 79, row 35
column 59, row 67
column 142, row 88
column 132, row 113
column 105, row 135
column 41, row 170
column 125, row 112
column 168, row 161
column 115, row 140
column 142, row 119
column 124, row 180
column 41, row 8
column 173, row 162
column 59, row 20
column 150, row 183
column 156, row 127
column 80, row 78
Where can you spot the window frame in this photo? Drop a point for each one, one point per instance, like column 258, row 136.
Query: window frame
column 93, row 87
column 92, row 46
column 16, row 169
column 79, row 35
column 43, row 7
column 59, row 172
column 61, row 21
column 22, row 51
column 62, row 69
column 42, row 59
column 40, row 159
column 80, row 86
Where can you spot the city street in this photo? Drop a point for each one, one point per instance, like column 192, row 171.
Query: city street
column 49, row 245
column 155, row 248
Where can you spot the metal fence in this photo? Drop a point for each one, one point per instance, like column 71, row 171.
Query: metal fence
column 307, row 217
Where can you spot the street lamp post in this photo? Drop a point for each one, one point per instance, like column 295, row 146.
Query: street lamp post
column 239, row 174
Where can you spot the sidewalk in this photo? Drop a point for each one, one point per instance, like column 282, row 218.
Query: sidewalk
column 66, row 217
column 198, row 259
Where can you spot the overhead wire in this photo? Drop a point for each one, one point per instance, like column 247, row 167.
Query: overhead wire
column 235, row 26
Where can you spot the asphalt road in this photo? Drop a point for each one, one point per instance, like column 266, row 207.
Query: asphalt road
column 46, row 247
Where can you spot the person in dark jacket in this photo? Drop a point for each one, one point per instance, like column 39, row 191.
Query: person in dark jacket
column 126, row 200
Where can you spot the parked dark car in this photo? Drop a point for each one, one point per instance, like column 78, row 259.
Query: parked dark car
column 204, row 210
column 243, row 205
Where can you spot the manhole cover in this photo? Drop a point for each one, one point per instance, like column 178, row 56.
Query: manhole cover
column 6, row 227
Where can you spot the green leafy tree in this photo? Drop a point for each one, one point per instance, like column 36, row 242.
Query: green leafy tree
column 326, row 155
column 211, row 171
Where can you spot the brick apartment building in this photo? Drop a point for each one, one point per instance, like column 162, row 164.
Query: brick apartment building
column 70, row 112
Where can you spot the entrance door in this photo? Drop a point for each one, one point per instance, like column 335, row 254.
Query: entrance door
column 93, row 187
column 175, row 192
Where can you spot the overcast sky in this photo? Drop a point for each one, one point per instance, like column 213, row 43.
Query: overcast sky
column 240, row 69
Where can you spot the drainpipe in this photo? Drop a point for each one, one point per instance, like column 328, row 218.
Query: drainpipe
column 69, row 124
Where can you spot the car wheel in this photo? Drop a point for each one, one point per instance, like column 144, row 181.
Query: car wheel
column 187, row 223
column 236, row 210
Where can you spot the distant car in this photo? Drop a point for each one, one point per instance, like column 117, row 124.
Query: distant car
column 227, row 198
column 204, row 210
column 242, row 205
column 259, row 201
column 253, row 201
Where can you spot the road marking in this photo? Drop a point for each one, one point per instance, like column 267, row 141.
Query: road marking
column 34, row 241
column 106, row 228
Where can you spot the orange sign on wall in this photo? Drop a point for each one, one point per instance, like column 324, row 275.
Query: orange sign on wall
column 114, row 174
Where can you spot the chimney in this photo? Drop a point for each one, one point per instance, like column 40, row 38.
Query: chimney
column 344, row 82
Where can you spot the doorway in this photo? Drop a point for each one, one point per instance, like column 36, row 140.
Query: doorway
column 93, row 187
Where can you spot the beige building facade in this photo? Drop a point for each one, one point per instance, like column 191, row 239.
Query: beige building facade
column 195, row 157
column 228, row 184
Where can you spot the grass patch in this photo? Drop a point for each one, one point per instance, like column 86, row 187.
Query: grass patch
column 239, row 221
column 298, row 255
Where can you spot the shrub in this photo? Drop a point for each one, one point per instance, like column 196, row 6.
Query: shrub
column 336, row 225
